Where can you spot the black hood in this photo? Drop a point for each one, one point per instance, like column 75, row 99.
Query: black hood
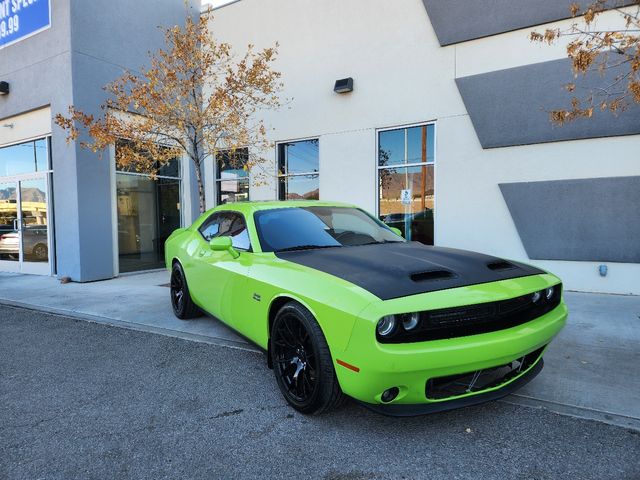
column 400, row 269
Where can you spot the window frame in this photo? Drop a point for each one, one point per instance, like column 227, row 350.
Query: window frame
column 286, row 175
column 434, row 163
column 206, row 222
column 217, row 179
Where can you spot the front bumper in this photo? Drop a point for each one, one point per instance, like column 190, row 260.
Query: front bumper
column 410, row 410
column 410, row 366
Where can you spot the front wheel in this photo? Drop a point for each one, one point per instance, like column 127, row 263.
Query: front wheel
column 183, row 306
column 302, row 362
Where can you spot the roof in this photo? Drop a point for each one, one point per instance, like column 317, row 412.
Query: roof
column 271, row 204
column 252, row 206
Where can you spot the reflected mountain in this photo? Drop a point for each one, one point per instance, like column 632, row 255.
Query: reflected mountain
column 33, row 195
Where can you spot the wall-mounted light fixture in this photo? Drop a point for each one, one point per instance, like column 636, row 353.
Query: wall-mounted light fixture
column 4, row 88
column 344, row 85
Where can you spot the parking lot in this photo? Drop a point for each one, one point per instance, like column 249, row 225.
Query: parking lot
column 83, row 400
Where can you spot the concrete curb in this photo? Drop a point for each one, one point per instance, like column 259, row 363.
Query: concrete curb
column 514, row 399
column 574, row 411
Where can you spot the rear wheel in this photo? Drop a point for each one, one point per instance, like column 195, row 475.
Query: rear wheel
column 302, row 362
column 183, row 306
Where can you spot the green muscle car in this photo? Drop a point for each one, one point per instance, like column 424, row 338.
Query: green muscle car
column 344, row 306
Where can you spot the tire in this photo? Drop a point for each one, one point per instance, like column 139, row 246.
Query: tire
column 40, row 251
column 302, row 362
column 183, row 306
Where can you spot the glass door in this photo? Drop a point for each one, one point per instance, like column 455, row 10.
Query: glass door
column 34, row 227
column 9, row 231
column 24, row 225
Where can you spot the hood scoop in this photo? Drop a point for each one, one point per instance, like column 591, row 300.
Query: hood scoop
column 500, row 265
column 432, row 275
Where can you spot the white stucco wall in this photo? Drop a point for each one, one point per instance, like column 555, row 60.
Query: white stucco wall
column 402, row 76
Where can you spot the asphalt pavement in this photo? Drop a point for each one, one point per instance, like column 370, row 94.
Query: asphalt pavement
column 84, row 400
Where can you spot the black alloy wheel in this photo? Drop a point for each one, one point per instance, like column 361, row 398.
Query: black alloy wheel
column 183, row 306
column 302, row 361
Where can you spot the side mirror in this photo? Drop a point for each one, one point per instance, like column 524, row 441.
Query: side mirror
column 397, row 231
column 221, row 244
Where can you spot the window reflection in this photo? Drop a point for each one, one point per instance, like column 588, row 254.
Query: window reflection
column 299, row 187
column 406, row 193
column 9, row 248
column 391, row 148
column 33, row 199
column 148, row 212
column 25, row 224
column 27, row 157
column 232, row 177
column 298, row 167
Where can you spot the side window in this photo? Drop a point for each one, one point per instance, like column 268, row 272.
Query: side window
column 238, row 232
column 211, row 227
column 227, row 223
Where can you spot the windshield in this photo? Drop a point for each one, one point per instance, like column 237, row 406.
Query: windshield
column 302, row 228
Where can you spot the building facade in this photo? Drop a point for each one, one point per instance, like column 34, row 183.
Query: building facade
column 445, row 132
column 441, row 131
column 64, row 210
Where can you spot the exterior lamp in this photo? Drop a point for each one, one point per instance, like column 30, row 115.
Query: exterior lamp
column 344, row 85
column 4, row 88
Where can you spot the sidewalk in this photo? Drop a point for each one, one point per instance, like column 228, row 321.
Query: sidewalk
column 591, row 369
column 137, row 301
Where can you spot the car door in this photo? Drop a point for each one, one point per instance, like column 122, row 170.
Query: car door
column 216, row 275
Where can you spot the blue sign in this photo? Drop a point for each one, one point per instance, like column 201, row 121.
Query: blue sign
column 20, row 19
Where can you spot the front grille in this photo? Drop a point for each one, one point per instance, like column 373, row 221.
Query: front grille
column 475, row 319
column 472, row 382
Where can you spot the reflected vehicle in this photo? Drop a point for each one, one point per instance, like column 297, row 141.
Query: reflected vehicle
column 34, row 243
column 421, row 225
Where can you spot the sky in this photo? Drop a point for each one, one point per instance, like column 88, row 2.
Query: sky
column 215, row 3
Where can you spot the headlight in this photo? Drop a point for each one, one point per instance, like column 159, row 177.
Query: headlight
column 548, row 293
column 386, row 325
column 535, row 297
column 410, row 320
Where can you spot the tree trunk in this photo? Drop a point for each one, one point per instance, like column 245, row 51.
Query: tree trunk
column 197, row 162
column 201, row 196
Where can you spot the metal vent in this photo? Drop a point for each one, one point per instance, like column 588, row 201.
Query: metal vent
column 431, row 275
column 501, row 265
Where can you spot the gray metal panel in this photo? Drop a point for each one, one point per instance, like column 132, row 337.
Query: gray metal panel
column 88, row 45
column 509, row 107
column 108, row 36
column 594, row 219
column 457, row 21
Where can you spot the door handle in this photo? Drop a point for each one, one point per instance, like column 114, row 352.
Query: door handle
column 15, row 225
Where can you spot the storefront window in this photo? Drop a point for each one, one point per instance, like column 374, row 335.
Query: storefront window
column 298, row 170
column 25, row 208
column 148, row 212
column 232, row 178
column 406, row 180
column 27, row 157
